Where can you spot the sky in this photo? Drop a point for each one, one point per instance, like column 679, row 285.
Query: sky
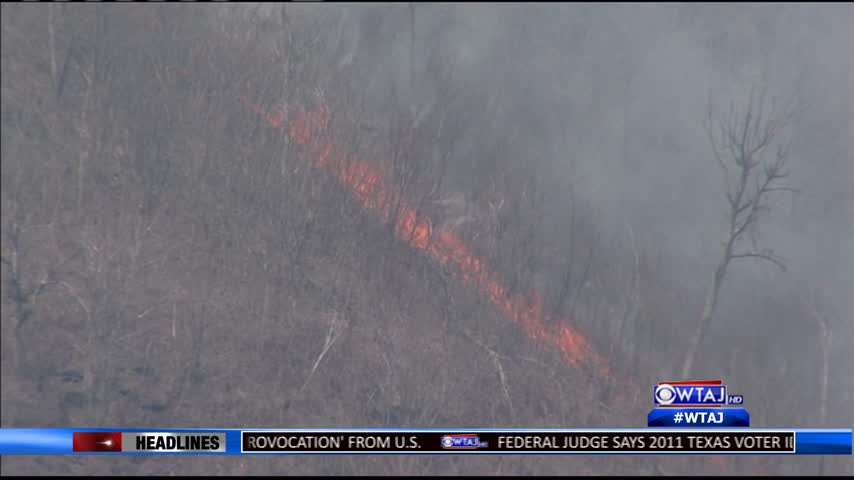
column 620, row 93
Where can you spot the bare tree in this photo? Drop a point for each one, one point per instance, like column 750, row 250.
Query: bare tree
column 741, row 141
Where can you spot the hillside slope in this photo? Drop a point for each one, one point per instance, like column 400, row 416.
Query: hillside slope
column 174, row 255
column 165, row 269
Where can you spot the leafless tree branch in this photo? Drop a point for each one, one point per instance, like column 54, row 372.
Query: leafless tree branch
column 770, row 257
column 739, row 148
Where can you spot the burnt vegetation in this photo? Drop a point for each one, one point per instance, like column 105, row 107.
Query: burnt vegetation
column 170, row 260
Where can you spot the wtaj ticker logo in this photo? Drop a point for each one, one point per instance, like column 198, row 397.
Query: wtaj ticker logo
column 462, row 442
column 694, row 393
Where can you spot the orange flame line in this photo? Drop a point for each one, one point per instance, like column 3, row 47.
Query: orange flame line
column 446, row 247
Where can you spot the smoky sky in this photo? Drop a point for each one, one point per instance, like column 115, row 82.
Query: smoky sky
column 615, row 95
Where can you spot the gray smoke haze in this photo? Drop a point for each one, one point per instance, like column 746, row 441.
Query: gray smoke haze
column 621, row 91
column 611, row 99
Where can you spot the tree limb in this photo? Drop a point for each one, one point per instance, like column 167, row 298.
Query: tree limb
column 768, row 256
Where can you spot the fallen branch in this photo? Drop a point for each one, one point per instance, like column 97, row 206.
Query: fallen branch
column 496, row 358
column 332, row 335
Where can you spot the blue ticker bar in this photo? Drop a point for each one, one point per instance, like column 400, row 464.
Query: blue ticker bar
column 60, row 441
column 823, row 442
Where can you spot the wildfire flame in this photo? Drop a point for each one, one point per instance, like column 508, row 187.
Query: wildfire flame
column 376, row 194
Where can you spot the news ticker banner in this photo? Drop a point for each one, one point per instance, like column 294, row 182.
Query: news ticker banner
column 63, row 441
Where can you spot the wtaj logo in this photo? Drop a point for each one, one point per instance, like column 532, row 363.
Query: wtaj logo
column 694, row 393
column 462, row 442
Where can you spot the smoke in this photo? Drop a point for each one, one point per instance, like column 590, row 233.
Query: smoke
column 615, row 95
column 609, row 101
